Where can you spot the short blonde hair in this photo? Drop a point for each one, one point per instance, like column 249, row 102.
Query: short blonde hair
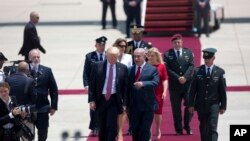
column 157, row 53
column 113, row 50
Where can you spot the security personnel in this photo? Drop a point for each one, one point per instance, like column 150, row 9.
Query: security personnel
column 90, row 58
column 208, row 95
column 2, row 60
column 180, row 65
column 137, row 42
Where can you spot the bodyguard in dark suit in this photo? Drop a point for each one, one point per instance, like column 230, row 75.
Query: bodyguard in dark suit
column 45, row 85
column 133, row 12
column 208, row 95
column 90, row 58
column 143, row 78
column 180, row 65
column 202, row 11
column 137, row 42
column 107, row 92
column 105, row 4
column 30, row 37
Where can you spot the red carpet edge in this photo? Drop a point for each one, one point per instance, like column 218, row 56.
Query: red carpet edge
column 83, row 91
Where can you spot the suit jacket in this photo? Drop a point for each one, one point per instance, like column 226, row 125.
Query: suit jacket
column 45, row 84
column 143, row 99
column 89, row 59
column 108, row 1
column 184, row 66
column 207, row 7
column 22, row 87
column 4, row 113
column 204, row 90
column 131, row 47
column 97, row 81
column 30, row 40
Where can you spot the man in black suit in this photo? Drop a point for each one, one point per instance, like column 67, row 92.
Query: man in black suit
column 202, row 8
column 137, row 42
column 143, row 78
column 22, row 88
column 133, row 12
column 45, row 84
column 180, row 65
column 90, row 58
column 208, row 95
column 105, row 4
column 107, row 91
column 31, row 39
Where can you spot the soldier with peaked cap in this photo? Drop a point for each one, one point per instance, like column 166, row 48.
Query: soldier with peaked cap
column 180, row 65
column 90, row 58
column 137, row 42
column 2, row 60
column 208, row 95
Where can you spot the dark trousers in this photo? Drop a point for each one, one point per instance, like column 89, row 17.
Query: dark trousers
column 208, row 118
column 107, row 119
column 92, row 123
column 104, row 13
column 42, row 125
column 133, row 14
column 176, row 98
column 141, row 122
column 8, row 135
column 203, row 14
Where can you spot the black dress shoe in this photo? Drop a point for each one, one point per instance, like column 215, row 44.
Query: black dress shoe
column 179, row 133
column 189, row 131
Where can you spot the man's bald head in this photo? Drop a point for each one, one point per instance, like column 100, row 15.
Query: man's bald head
column 23, row 67
column 34, row 17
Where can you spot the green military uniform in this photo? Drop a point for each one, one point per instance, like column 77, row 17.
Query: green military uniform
column 208, row 96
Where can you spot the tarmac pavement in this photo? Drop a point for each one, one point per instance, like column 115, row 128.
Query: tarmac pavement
column 68, row 29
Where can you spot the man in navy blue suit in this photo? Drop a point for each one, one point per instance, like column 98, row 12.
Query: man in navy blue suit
column 45, row 84
column 90, row 58
column 143, row 78
column 107, row 93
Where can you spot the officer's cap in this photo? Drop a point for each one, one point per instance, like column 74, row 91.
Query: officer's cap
column 2, row 57
column 176, row 37
column 101, row 40
column 208, row 53
column 136, row 29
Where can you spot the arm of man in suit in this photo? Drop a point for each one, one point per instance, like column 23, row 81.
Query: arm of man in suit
column 125, row 88
column 92, row 87
column 53, row 91
column 222, row 92
column 171, row 73
column 31, row 91
column 189, row 72
column 149, row 83
column 192, row 94
column 35, row 39
column 86, row 71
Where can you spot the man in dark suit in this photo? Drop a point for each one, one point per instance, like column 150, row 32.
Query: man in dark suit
column 208, row 95
column 31, row 39
column 45, row 84
column 105, row 4
column 133, row 12
column 107, row 91
column 180, row 65
column 143, row 78
column 90, row 58
column 202, row 8
column 137, row 42
column 22, row 88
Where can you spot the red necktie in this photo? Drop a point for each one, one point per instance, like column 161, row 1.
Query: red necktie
column 109, row 84
column 137, row 75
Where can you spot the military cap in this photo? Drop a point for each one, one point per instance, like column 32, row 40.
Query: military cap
column 2, row 57
column 176, row 37
column 101, row 40
column 136, row 29
column 208, row 53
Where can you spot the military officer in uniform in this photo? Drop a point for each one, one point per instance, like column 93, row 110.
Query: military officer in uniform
column 208, row 95
column 94, row 56
column 137, row 42
column 180, row 65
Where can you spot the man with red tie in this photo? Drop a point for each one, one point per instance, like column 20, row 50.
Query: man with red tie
column 143, row 78
column 107, row 89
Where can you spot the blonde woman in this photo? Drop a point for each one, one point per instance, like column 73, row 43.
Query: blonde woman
column 127, row 60
column 155, row 59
